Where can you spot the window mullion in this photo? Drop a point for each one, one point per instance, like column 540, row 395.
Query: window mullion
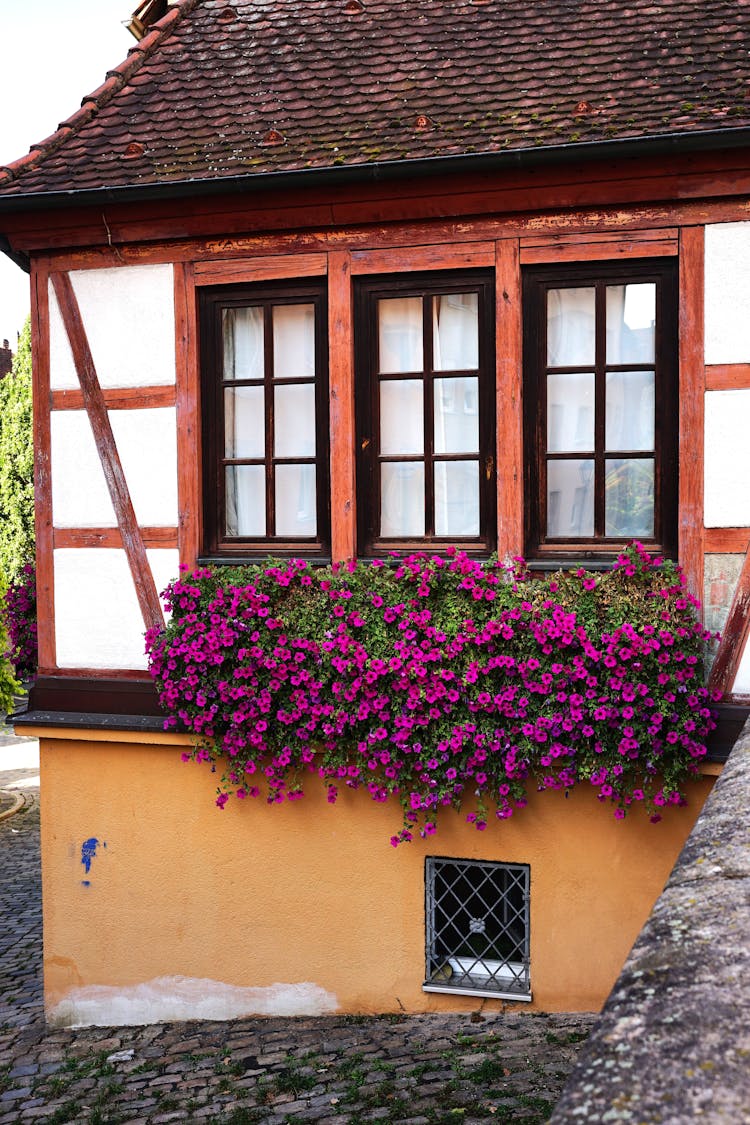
column 428, row 383
column 270, row 418
column 600, row 407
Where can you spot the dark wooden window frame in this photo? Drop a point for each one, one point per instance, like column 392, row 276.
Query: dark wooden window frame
column 536, row 282
column 212, row 301
column 367, row 293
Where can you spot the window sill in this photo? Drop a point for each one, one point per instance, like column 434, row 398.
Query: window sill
column 487, row 993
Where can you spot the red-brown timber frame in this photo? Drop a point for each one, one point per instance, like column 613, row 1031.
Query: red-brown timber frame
column 692, row 408
column 45, row 576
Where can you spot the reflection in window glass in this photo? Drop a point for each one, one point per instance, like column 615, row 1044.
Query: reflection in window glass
column 570, row 412
column 631, row 323
column 457, row 498
column 293, row 341
column 294, row 420
column 629, row 497
column 456, row 415
column 402, row 498
column 455, row 332
column 570, row 498
column 401, row 416
column 400, row 335
column 571, row 327
column 630, row 410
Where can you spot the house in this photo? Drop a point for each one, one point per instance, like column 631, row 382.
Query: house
column 302, row 220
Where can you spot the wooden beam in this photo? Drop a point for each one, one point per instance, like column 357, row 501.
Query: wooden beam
column 341, row 393
column 726, row 540
column 110, row 537
column 123, row 398
column 132, row 540
column 45, row 568
column 260, row 268
column 438, row 256
column 734, row 638
column 509, row 398
column 189, row 491
column 692, row 387
column 728, row 377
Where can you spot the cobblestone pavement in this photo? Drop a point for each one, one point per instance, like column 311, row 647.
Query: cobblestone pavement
column 411, row 1070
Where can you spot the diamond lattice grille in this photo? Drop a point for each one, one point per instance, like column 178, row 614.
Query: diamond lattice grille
column 477, row 925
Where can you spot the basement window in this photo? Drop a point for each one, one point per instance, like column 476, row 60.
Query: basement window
column 477, row 928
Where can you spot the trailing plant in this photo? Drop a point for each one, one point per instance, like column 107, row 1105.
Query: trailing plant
column 18, row 612
column 439, row 681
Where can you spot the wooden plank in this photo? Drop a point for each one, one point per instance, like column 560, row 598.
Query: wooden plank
column 122, row 398
column 734, row 638
column 341, row 393
column 414, row 258
column 132, row 541
column 111, row 537
column 726, row 540
column 189, row 491
column 668, row 234
column 260, row 268
column 728, row 377
column 509, row 399
column 45, row 571
column 609, row 250
column 692, row 386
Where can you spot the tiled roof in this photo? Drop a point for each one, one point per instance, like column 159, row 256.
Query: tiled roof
column 228, row 88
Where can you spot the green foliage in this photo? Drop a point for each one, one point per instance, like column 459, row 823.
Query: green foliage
column 16, row 463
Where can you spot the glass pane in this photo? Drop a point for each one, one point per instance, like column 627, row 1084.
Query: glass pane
column 243, row 343
column 296, row 500
column 629, row 498
column 294, row 420
column 455, row 332
column 631, row 320
column 570, row 498
column 401, row 416
column 402, row 498
column 570, row 412
column 244, row 422
column 630, row 410
column 571, row 327
column 457, row 498
column 293, row 341
column 456, row 415
column 400, row 334
column 245, row 500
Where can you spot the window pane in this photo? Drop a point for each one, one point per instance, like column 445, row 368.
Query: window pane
column 244, row 422
column 571, row 327
column 243, row 343
column 455, row 332
column 400, row 334
column 295, row 500
column 456, row 415
column 629, row 497
column 630, row 410
column 570, row 412
column 245, row 500
column 631, row 321
column 402, row 499
column 401, row 416
column 570, row 498
column 294, row 420
column 457, row 498
column 293, row 341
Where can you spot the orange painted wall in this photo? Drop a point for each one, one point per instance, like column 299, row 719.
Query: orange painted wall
column 310, row 892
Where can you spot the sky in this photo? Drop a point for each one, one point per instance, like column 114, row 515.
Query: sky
column 54, row 52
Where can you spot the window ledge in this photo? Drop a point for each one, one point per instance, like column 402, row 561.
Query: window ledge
column 488, row 993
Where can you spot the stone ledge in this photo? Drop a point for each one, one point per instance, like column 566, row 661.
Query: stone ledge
column 673, row 1042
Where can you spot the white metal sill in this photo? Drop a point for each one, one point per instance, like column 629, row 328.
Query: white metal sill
column 489, row 993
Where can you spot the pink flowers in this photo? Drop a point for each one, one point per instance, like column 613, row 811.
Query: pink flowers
column 409, row 681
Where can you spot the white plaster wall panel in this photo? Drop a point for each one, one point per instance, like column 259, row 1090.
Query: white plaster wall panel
column 128, row 314
column 80, row 497
column 165, row 565
column 727, row 293
column 727, row 459
column 98, row 622
column 146, row 441
column 742, row 679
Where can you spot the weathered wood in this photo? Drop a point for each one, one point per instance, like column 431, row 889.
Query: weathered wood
column 509, row 399
column 665, row 234
column 692, row 386
column 414, row 258
column 132, row 541
column 45, row 575
column 605, row 250
column 734, row 638
column 726, row 540
column 110, row 537
column 341, row 394
column 122, row 398
column 189, row 490
column 728, row 377
column 260, row 268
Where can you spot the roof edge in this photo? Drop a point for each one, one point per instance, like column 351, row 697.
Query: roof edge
column 631, row 148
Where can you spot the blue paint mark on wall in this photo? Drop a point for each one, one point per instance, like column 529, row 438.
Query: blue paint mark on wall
column 88, row 852
column 85, row 882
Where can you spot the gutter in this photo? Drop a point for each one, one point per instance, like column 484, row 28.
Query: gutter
column 386, row 171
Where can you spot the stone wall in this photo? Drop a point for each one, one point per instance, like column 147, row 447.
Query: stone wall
column 673, row 1040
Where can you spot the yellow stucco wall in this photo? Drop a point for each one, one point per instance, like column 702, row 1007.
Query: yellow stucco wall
column 309, row 892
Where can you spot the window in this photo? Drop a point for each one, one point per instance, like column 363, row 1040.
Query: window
column 265, row 420
column 477, row 923
column 425, row 413
column 601, row 407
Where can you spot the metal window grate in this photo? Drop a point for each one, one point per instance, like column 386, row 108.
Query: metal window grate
column 477, row 917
